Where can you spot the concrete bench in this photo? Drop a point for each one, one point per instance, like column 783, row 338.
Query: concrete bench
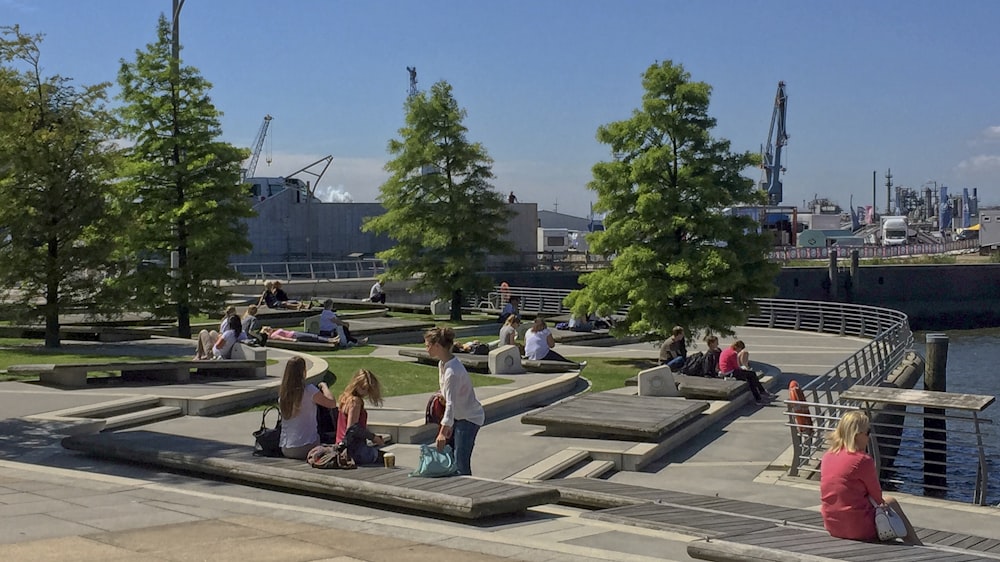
column 74, row 375
column 481, row 363
column 605, row 415
column 478, row 363
column 463, row 497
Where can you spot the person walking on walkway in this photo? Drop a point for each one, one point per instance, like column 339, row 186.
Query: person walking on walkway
column 463, row 413
column 848, row 479
column 729, row 366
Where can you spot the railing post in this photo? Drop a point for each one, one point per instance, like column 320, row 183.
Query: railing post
column 935, row 436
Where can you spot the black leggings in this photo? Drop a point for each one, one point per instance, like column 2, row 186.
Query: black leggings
column 752, row 381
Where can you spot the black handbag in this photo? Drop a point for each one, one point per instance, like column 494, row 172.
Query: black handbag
column 267, row 440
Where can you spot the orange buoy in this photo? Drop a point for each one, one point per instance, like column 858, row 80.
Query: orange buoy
column 804, row 421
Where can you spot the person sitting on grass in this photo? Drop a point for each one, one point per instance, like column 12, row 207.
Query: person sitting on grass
column 352, row 421
column 298, row 403
column 213, row 345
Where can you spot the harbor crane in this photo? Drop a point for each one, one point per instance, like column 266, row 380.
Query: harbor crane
column 258, row 144
column 771, row 155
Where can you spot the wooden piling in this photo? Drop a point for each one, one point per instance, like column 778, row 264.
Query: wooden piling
column 935, row 447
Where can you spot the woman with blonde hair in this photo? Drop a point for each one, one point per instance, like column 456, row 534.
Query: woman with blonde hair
column 508, row 332
column 297, row 403
column 352, row 420
column 848, row 479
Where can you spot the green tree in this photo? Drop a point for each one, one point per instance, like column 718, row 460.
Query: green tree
column 56, row 165
column 683, row 252
column 441, row 209
column 185, row 184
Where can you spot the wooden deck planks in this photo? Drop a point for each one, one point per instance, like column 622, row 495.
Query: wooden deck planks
column 603, row 491
column 612, row 415
column 458, row 496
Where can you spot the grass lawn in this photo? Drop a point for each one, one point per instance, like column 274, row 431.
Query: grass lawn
column 606, row 374
column 398, row 378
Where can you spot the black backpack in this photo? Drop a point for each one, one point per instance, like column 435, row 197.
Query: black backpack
column 694, row 365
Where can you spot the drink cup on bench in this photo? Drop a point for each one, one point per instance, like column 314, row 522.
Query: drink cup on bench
column 390, row 460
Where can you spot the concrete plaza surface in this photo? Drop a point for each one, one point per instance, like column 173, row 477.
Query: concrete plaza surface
column 56, row 504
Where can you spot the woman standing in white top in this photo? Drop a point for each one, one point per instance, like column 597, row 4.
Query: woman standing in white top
column 538, row 343
column 463, row 414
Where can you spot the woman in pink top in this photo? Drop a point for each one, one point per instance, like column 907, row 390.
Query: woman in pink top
column 352, row 420
column 848, row 478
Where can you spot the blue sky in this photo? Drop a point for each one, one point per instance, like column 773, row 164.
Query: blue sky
column 912, row 86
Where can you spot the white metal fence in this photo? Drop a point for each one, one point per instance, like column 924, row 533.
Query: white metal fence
column 345, row 269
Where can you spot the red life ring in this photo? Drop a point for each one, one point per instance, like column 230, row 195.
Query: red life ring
column 803, row 421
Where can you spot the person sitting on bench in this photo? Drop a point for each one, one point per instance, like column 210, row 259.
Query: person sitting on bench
column 673, row 352
column 352, row 421
column 213, row 345
column 538, row 343
column 848, row 484
column 330, row 323
column 275, row 298
column 729, row 366
column 298, row 403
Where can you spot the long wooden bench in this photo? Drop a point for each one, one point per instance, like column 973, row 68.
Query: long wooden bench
column 463, row 497
column 247, row 362
column 741, row 530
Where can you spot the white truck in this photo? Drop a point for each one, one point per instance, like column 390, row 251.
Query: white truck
column 894, row 230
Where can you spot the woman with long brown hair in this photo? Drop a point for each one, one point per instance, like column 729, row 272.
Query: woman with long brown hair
column 297, row 402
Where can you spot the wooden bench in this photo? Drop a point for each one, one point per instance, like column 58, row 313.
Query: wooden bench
column 796, row 544
column 247, row 362
column 605, row 415
column 740, row 530
column 463, row 497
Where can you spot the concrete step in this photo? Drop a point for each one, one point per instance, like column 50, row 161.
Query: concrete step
column 592, row 469
column 110, row 408
column 549, row 467
column 142, row 417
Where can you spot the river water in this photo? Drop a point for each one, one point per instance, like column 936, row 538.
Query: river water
column 973, row 368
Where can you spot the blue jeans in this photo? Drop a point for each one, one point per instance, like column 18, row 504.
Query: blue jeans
column 675, row 363
column 463, row 436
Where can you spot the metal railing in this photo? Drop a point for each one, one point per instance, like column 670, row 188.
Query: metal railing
column 811, row 419
column 346, row 269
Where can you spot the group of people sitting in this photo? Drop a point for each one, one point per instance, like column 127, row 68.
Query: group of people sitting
column 732, row 362
column 307, row 409
column 538, row 339
column 219, row 344
column 275, row 298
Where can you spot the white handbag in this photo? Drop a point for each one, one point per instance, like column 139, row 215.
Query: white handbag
column 888, row 523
